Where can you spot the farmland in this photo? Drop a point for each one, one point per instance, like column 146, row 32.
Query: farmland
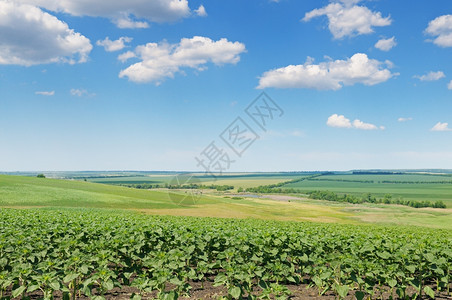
column 31, row 192
column 98, row 254
column 244, row 179
column 414, row 187
column 75, row 239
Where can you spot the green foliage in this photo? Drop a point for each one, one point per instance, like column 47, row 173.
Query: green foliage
column 41, row 176
column 387, row 199
column 184, row 186
column 278, row 187
column 406, row 186
column 88, row 253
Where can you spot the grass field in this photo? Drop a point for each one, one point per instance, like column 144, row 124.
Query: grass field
column 120, row 243
column 27, row 192
column 407, row 191
column 243, row 180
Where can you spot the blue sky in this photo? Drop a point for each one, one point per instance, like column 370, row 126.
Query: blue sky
column 363, row 84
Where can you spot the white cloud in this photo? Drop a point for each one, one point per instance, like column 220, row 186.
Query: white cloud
column 30, row 36
column 430, row 76
column 340, row 121
column 401, row 119
column 441, row 29
column 441, row 127
column 45, row 93
column 449, row 85
column 348, row 19
column 358, row 124
column 201, row 11
column 386, row 44
column 163, row 60
column 80, row 92
column 124, row 13
column 116, row 45
column 330, row 75
column 126, row 55
column 125, row 21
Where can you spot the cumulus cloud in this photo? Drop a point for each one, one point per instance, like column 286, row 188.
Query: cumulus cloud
column 123, row 57
column 441, row 127
column 163, row 60
column 441, row 29
column 345, row 18
column 125, row 14
column 401, row 119
column 430, row 76
column 125, row 21
column 386, row 44
column 358, row 124
column 45, row 93
column 201, row 11
column 30, row 36
column 330, row 75
column 449, row 85
column 340, row 121
column 116, row 45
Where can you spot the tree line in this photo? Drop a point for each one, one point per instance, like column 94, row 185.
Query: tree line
column 369, row 198
column 193, row 186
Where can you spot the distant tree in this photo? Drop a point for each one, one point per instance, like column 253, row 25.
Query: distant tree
column 439, row 204
column 387, row 199
column 239, row 190
column 41, row 176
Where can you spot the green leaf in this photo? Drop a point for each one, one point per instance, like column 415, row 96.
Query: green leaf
column 135, row 297
column 84, row 269
column 55, row 285
column 359, row 295
column 176, row 281
column 33, row 288
column 392, row 283
column 17, row 292
column 342, row 290
column 411, row 268
column 263, row 284
column 428, row 291
column 70, row 277
column 235, row 292
column 384, row 255
column 170, row 296
column 108, row 285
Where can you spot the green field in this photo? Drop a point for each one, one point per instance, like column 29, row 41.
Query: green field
column 28, row 192
column 240, row 179
column 411, row 190
column 16, row 191
column 101, row 254
column 76, row 238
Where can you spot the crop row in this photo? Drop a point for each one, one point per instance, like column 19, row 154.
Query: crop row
column 88, row 253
